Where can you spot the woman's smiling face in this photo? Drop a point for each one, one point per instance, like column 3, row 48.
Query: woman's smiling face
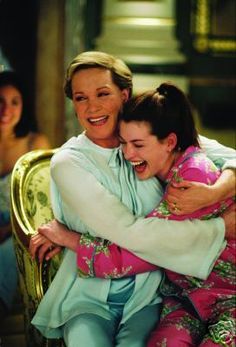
column 97, row 101
column 149, row 156
column 11, row 105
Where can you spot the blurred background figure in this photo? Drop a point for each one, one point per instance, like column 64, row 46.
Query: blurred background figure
column 18, row 135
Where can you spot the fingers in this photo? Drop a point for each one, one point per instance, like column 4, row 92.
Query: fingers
column 173, row 195
column 40, row 246
column 43, row 250
column 56, row 250
column 175, row 208
column 35, row 242
column 182, row 185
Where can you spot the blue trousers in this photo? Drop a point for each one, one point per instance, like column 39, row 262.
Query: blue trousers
column 94, row 331
column 8, row 272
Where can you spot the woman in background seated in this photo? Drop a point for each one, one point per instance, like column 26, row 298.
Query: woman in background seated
column 18, row 135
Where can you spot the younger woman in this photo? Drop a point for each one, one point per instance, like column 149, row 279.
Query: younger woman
column 159, row 138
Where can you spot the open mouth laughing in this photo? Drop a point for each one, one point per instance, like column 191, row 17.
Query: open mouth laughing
column 139, row 166
column 98, row 121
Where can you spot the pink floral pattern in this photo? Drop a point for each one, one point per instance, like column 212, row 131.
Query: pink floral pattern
column 101, row 258
column 214, row 298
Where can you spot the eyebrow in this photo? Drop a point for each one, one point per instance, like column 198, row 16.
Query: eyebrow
column 105, row 86
column 102, row 87
column 134, row 140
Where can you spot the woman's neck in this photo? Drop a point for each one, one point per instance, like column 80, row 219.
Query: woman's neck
column 172, row 159
column 111, row 142
column 7, row 136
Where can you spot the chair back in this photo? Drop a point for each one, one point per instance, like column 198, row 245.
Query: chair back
column 31, row 207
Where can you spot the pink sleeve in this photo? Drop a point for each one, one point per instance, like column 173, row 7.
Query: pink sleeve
column 101, row 258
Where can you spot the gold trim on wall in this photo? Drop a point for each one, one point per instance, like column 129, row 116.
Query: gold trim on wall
column 203, row 40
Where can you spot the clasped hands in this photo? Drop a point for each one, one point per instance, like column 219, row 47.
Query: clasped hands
column 46, row 243
column 187, row 197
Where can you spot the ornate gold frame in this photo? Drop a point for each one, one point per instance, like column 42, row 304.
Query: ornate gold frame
column 203, row 41
column 34, row 277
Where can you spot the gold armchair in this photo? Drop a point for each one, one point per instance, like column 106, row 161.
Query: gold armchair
column 30, row 207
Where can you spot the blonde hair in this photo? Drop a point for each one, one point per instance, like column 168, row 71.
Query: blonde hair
column 120, row 72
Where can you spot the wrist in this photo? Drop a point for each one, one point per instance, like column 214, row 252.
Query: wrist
column 61, row 238
column 215, row 194
column 71, row 240
column 222, row 192
column 208, row 196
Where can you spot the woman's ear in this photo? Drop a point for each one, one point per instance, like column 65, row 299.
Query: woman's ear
column 171, row 141
column 125, row 94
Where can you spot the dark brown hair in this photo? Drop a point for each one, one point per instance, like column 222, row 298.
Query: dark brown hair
column 166, row 109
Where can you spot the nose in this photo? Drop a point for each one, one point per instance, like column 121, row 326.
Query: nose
column 93, row 105
column 129, row 151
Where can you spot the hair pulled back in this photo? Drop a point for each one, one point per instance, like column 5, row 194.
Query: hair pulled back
column 166, row 109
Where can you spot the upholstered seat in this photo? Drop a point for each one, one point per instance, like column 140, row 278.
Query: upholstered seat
column 31, row 207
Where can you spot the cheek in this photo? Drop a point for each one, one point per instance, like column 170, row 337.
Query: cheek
column 79, row 110
column 115, row 105
column 155, row 158
column 160, row 160
column 78, row 114
column 18, row 112
column 154, row 161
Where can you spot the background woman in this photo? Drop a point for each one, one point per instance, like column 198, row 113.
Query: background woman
column 89, row 176
column 18, row 135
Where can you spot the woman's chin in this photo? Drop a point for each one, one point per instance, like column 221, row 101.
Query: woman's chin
column 142, row 175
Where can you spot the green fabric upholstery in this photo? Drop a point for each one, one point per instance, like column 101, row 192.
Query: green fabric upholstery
column 31, row 207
